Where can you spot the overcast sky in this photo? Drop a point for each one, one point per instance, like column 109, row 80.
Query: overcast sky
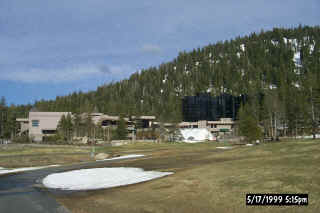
column 50, row 48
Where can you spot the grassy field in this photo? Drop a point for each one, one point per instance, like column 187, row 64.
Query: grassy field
column 20, row 155
column 209, row 180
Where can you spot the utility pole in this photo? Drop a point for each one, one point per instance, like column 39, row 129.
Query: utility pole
column 3, row 118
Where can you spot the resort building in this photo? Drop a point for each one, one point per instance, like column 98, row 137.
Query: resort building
column 40, row 124
column 217, row 128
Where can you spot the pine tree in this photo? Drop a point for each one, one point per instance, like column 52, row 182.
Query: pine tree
column 121, row 131
column 65, row 127
column 248, row 124
column 77, row 124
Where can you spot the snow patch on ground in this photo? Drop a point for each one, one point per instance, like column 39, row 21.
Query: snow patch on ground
column 224, row 147
column 98, row 178
column 196, row 135
column 8, row 171
column 308, row 136
column 123, row 157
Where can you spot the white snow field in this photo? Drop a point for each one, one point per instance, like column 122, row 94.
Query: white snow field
column 123, row 157
column 196, row 135
column 7, row 171
column 99, row 178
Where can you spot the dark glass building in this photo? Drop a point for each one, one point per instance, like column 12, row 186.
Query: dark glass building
column 205, row 107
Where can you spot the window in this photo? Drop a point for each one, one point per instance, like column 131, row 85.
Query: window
column 35, row 123
column 105, row 123
column 49, row 131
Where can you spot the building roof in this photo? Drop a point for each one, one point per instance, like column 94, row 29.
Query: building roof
column 145, row 117
column 48, row 114
column 22, row 119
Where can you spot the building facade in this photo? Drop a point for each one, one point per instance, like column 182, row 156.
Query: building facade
column 217, row 128
column 40, row 124
column 43, row 124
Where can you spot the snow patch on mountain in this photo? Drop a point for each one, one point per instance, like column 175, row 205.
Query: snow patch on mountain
column 297, row 59
column 165, row 78
column 242, row 47
column 275, row 43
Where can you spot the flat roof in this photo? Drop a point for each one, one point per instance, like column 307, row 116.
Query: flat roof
column 22, row 119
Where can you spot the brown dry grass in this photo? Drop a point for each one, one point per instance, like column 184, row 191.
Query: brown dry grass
column 18, row 155
column 209, row 180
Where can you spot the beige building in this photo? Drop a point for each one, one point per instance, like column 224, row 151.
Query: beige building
column 221, row 127
column 40, row 124
column 104, row 120
column 43, row 124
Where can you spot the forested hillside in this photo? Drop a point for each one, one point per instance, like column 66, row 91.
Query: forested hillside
column 279, row 71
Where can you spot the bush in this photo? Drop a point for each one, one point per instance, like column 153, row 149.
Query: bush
column 148, row 134
column 53, row 139
column 22, row 139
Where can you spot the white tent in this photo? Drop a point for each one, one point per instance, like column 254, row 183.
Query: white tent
column 195, row 135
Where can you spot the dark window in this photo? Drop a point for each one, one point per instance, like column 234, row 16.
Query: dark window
column 105, row 123
column 108, row 123
column 49, row 132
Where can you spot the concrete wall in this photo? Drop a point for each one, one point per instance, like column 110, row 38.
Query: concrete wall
column 47, row 121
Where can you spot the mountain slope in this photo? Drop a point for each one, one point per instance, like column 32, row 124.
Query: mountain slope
column 279, row 70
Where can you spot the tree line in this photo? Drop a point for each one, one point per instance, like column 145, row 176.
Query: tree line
column 75, row 127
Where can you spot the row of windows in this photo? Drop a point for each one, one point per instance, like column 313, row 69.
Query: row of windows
column 35, row 123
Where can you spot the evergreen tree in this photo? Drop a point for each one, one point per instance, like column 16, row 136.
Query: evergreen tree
column 65, row 127
column 77, row 124
column 89, row 126
column 248, row 124
column 121, row 131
